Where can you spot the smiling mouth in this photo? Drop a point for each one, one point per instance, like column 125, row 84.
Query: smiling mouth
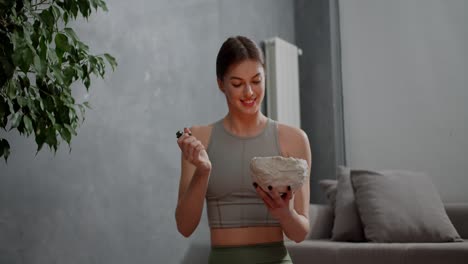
column 250, row 102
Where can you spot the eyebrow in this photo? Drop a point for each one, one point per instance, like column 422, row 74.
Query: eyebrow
column 234, row 77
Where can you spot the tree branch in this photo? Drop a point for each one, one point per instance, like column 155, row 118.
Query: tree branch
column 40, row 3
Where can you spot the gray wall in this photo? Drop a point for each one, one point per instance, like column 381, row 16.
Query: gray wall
column 317, row 34
column 405, row 89
column 112, row 199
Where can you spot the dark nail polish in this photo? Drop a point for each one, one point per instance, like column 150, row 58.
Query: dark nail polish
column 179, row 134
column 269, row 187
column 255, row 185
column 289, row 187
column 190, row 133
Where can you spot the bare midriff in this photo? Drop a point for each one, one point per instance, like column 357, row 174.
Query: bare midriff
column 245, row 235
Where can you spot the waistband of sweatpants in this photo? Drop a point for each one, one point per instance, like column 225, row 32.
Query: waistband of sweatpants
column 259, row 245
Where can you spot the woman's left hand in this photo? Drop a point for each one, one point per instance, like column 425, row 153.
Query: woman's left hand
column 280, row 206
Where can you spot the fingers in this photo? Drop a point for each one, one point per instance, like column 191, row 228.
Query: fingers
column 183, row 140
column 265, row 197
column 189, row 145
column 276, row 197
column 183, row 135
column 289, row 194
column 186, row 145
column 272, row 198
column 194, row 149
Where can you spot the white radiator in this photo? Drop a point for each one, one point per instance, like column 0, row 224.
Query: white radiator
column 282, row 81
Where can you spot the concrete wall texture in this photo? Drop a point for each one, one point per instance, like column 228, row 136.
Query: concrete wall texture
column 112, row 199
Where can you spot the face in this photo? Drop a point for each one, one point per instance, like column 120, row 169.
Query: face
column 244, row 87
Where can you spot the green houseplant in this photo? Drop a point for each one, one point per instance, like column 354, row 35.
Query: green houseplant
column 40, row 58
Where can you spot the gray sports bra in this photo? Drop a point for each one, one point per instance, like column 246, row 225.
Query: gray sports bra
column 231, row 199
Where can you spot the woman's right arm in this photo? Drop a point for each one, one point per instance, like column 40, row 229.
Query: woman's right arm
column 196, row 169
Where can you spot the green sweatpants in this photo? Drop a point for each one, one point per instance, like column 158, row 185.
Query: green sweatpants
column 271, row 253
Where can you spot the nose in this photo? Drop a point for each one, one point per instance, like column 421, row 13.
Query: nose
column 248, row 92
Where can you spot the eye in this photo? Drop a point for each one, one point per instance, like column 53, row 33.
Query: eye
column 257, row 81
column 236, row 84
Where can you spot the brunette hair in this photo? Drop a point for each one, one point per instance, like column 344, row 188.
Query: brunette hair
column 235, row 50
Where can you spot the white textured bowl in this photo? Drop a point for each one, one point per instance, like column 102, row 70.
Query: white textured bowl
column 279, row 172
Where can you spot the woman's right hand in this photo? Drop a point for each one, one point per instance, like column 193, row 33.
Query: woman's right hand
column 194, row 151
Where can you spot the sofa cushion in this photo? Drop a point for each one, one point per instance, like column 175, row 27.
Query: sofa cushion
column 458, row 214
column 401, row 206
column 332, row 252
column 347, row 224
column 320, row 221
column 329, row 187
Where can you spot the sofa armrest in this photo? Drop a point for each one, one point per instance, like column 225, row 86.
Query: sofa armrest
column 458, row 214
column 321, row 221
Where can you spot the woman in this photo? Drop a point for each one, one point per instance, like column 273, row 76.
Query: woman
column 246, row 222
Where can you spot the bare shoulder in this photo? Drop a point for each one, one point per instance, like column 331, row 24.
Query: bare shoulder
column 293, row 141
column 288, row 132
column 202, row 133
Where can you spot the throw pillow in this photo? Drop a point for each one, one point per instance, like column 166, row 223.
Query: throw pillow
column 329, row 187
column 347, row 225
column 401, row 206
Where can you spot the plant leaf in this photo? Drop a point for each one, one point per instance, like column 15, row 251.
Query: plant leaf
column 87, row 105
column 61, row 42
column 58, row 74
column 66, row 135
column 47, row 18
column 87, row 82
column 11, row 89
column 4, row 111
column 16, row 119
column 40, row 140
column 71, row 34
column 70, row 129
column 4, row 149
column 111, row 60
column 21, row 101
column 40, row 66
column 56, row 12
column 28, row 124
column 23, row 57
column 103, row 5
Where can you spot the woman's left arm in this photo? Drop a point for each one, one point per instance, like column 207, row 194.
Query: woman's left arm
column 295, row 221
column 292, row 210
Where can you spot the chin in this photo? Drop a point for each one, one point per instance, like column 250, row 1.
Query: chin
column 240, row 108
column 251, row 111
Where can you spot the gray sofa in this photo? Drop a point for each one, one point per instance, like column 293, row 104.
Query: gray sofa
column 319, row 248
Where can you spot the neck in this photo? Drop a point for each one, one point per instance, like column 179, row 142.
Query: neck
column 246, row 125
